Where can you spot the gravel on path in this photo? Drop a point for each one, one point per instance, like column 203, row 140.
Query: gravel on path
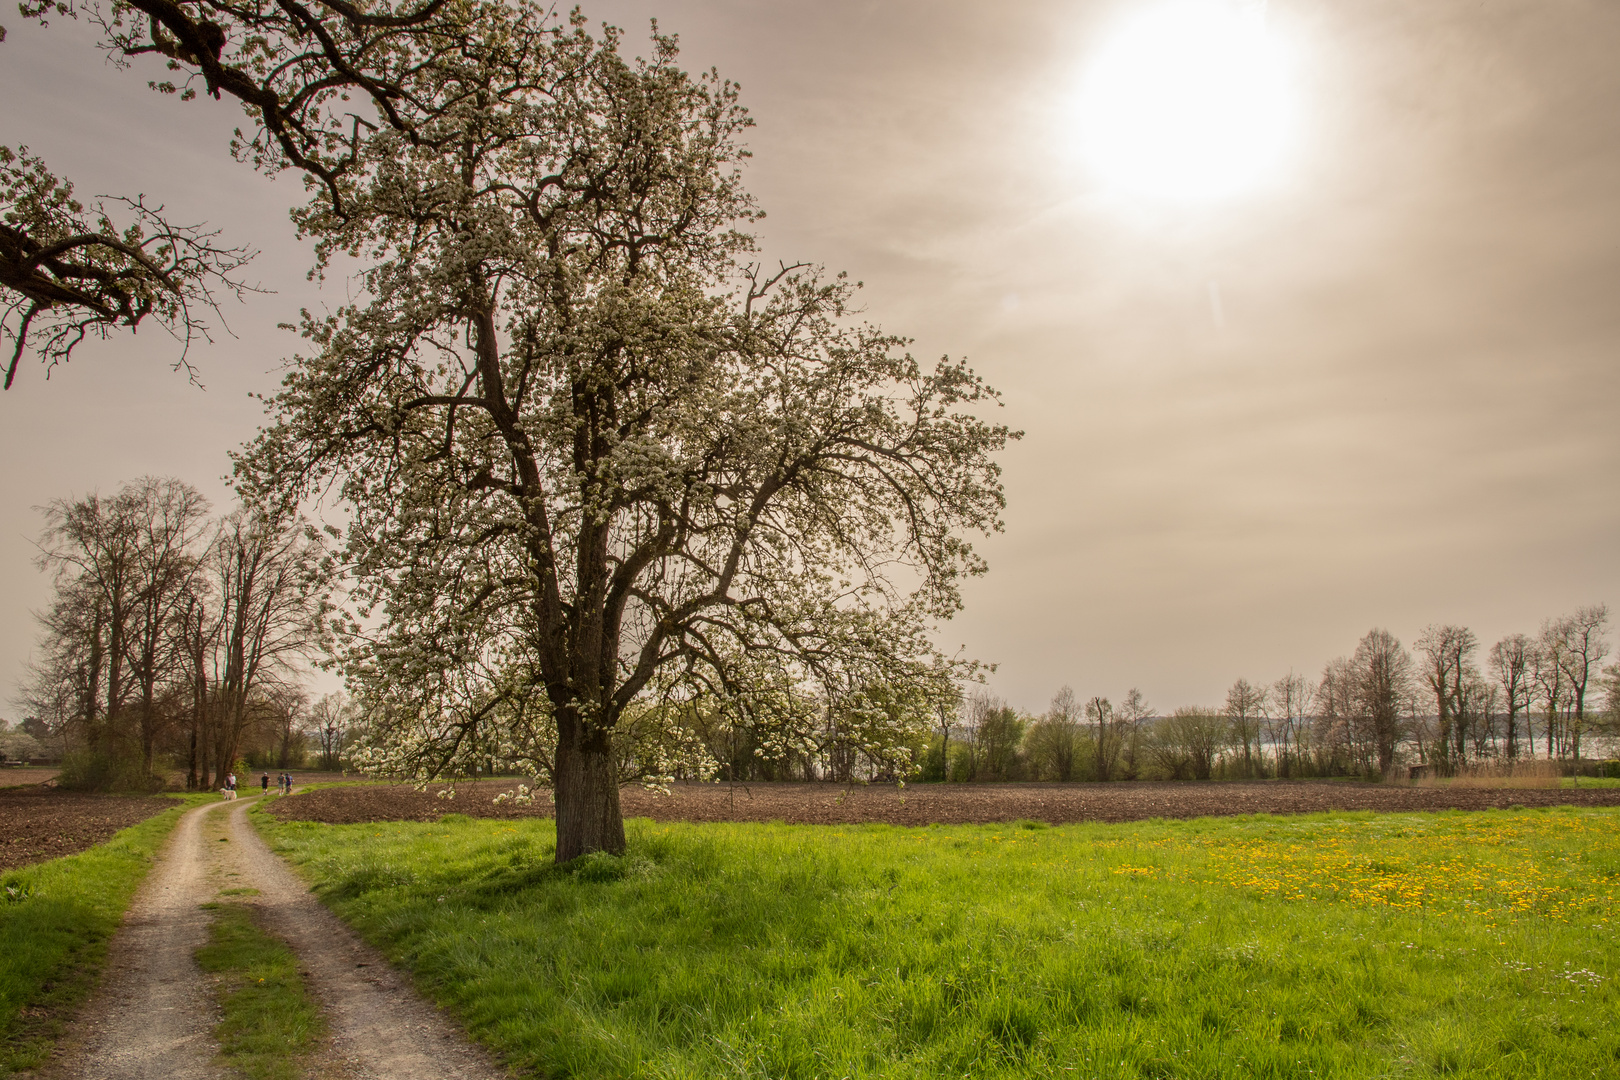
column 380, row 1028
column 153, row 1013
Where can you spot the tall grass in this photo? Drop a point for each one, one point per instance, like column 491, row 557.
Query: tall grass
column 1323, row 946
column 55, row 921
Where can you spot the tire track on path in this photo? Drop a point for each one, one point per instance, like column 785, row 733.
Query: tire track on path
column 153, row 1013
column 381, row 1029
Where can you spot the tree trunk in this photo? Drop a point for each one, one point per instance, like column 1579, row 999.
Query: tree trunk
column 199, row 719
column 225, row 745
column 115, row 678
column 586, row 780
column 92, row 730
column 205, row 757
column 1460, row 722
column 1578, row 722
column 148, row 727
column 228, row 734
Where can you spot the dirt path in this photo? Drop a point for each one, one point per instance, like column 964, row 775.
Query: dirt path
column 153, row 1012
column 380, row 1028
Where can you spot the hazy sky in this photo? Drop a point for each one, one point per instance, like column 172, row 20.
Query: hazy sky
column 1377, row 391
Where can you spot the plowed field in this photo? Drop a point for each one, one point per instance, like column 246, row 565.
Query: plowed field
column 834, row 804
column 13, row 776
column 39, row 823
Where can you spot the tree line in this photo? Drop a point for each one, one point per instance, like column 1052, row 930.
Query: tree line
column 178, row 640
column 171, row 635
column 1379, row 708
column 174, row 639
column 1382, row 707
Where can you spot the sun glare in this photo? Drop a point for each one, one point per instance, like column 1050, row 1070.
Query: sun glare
column 1189, row 100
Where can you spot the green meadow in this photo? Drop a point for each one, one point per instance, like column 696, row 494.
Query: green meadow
column 1340, row 945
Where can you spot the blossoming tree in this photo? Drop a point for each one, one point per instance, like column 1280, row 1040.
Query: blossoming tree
column 601, row 465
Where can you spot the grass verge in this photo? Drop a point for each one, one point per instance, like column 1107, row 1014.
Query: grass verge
column 1590, row 782
column 56, row 919
column 1339, row 945
column 269, row 1026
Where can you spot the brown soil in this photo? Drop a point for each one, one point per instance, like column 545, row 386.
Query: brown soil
column 38, row 823
column 833, row 804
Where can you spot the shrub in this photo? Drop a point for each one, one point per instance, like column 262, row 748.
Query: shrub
column 87, row 770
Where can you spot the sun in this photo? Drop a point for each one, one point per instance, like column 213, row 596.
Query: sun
column 1189, row 100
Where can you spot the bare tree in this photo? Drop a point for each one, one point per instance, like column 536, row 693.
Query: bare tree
column 269, row 581
column 1244, row 705
column 168, row 517
column 1132, row 713
column 948, row 713
column 150, row 626
column 1054, row 740
column 998, row 734
column 89, row 545
column 1290, row 705
column 1476, row 709
column 980, row 707
column 286, row 711
column 1548, row 687
column 328, row 719
column 61, row 683
column 1383, row 683
column 1446, row 666
column 1611, row 699
column 1510, row 667
column 1106, row 744
column 1187, row 743
column 195, row 631
column 123, row 567
column 1579, row 652
column 1340, row 737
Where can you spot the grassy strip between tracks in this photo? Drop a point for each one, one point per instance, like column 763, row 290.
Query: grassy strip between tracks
column 269, row 1026
column 56, row 919
column 1339, row 945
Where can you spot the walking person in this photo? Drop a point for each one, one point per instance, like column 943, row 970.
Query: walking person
column 264, row 784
